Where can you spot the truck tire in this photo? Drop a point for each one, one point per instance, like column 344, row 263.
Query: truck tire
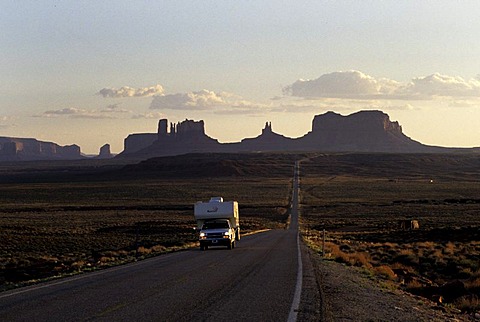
column 230, row 246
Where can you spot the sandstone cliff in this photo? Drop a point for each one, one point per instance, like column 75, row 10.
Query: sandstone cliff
column 105, row 152
column 183, row 137
column 21, row 149
column 365, row 131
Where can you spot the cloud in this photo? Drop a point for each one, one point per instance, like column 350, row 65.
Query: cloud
column 152, row 115
column 73, row 112
column 203, row 99
column 350, row 84
column 64, row 111
column 126, row 91
column 357, row 85
column 442, row 85
column 218, row 102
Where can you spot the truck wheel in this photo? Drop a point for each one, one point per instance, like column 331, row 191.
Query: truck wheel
column 229, row 246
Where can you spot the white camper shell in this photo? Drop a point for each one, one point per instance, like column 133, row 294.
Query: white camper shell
column 218, row 222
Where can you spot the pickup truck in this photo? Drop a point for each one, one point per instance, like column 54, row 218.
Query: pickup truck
column 218, row 223
column 217, row 232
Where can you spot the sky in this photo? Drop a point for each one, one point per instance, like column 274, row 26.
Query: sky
column 92, row 72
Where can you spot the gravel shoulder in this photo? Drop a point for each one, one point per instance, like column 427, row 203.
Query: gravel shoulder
column 335, row 292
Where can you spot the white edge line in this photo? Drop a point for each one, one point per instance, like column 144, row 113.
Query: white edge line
column 292, row 316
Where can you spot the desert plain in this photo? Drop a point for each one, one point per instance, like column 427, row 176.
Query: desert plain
column 59, row 218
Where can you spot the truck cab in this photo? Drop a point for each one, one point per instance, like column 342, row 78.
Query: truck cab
column 217, row 232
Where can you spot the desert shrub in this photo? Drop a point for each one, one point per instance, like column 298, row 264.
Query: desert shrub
column 78, row 265
column 473, row 265
column 449, row 248
column 406, row 257
column 359, row 259
column 158, row 248
column 473, row 285
column 385, row 272
column 437, row 254
column 426, row 245
column 390, row 245
column 468, row 303
column 144, row 251
column 400, row 266
column 413, row 285
column 105, row 259
column 336, row 253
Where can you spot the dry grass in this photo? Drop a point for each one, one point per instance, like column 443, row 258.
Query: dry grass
column 469, row 303
column 361, row 211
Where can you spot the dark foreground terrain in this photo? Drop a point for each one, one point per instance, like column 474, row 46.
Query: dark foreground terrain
column 58, row 220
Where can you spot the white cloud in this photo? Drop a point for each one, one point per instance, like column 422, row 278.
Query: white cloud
column 442, row 85
column 73, row 112
column 64, row 111
column 357, row 85
column 203, row 99
column 350, row 84
column 218, row 102
column 151, row 115
column 126, row 91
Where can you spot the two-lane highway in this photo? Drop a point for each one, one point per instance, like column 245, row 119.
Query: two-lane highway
column 256, row 281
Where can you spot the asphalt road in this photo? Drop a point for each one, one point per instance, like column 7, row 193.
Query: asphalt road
column 256, row 281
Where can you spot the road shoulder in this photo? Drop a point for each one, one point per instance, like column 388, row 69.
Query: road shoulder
column 335, row 292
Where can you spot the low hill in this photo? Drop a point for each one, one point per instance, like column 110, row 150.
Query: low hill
column 392, row 166
column 214, row 165
column 395, row 166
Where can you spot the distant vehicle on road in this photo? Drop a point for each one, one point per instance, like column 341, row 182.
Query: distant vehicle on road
column 218, row 222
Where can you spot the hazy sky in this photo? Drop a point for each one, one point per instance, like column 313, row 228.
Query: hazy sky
column 91, row 72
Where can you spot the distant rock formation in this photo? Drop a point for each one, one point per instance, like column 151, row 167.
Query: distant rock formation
column 183, row 137
column 105, row 152
column 267, row 141
column 364, row 131
column 21, row 149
